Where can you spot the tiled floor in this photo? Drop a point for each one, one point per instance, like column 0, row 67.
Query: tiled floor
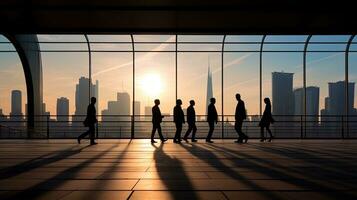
column 124, row 169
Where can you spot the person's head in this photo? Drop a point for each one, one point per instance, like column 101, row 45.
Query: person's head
column 93, row 100
column 213, row 100
column 267, row 100
column 157, row 102
column 178, row 102
column 238, row 97
column 192, row 102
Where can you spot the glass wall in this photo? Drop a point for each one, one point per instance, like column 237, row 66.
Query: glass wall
column 13, row 93
column 199, row 76
column 282, row 82
column 127, row 72
column 326, row 60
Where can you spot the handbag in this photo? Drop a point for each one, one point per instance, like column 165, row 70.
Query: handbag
column 86, row 122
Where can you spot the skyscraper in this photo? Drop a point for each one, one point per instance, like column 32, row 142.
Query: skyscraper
column 16, row 102
column 16, row 105
column 209, row 87
column 63, row 109
column 282, row 89
column 336, row 98
column 312, row 102
column 119, row 107
column 335, row 106
column 137, row 108
column 82, row 96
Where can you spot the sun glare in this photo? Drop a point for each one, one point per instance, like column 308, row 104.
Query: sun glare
column 151, row 85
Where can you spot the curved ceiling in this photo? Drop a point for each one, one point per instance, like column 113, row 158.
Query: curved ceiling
column 178, row 16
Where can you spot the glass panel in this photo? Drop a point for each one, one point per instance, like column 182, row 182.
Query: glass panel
column 282, row 83
column 114, row 72
column 154, row 79
column 66, row 91
column 241, row 75
column 325, row 71
column 13, row 94
column 352, row 75
column 199, row 79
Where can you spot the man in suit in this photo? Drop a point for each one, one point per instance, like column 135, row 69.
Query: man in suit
column 156, row 121
column 191, row 120
column 240, row 116
column 90, row 121
column 212, row 117
column 179, row 119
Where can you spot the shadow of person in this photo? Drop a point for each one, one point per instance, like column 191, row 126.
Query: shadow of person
column 173, row 175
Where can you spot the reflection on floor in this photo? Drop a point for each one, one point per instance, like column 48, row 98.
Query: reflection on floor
column 124, row 169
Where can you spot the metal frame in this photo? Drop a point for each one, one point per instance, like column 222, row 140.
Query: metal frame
column 347, row 81
column 89, row 67
column 222, row 51
column 132, row 136
column 304, row 80
column 261, row 75
column 222, row 82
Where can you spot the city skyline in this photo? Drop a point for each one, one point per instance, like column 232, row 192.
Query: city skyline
column 114, row 72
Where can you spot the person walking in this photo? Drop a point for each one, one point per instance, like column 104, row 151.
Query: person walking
column 179, row 119
column 191, row 120
column 212, row 118
column 89, row 122
column 156, row 121
column 240, row 116
column 266, row 120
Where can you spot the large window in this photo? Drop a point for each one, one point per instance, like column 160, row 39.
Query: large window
column 13, row 93
column 128, row 72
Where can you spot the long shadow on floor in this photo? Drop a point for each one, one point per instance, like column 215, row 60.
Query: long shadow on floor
column 54, row 182
column 211, row 159
column 183, row 184
column 262, row 165
column 38, row 162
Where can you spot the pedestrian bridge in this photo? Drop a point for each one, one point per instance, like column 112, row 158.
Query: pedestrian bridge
column 136, row 169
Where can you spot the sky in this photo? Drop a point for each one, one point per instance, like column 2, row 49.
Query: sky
column 113, row 70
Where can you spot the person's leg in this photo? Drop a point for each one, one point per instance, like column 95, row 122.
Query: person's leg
column 92, row 133
column 243, row 135
column 236, row 127
column 154, row 127
column 83, row 135
column 270, row 134
column 178, row 132
column 160, row 133
column 194, row 130
column 262, row 138
column 190, row 127
column 210, row 132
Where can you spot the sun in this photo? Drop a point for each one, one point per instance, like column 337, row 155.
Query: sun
column 151, row 84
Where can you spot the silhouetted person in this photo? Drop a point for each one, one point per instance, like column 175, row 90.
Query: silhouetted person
column 267, row 118
column 89, row 122
column 156, row 121
column 191, row 120
column 240, row 116
column 212, row 117
column 179, row 119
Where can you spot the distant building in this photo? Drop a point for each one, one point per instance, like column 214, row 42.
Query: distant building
column 147, row 110
column 63, row 109
column 16, row 105
column 312, row 103
column 137, row 108
column 82, row 98
column 335, row 108
column 119, row 107
column 282, row 89
column 209, row 93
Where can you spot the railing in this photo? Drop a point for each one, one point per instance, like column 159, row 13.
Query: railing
column 120, row 126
